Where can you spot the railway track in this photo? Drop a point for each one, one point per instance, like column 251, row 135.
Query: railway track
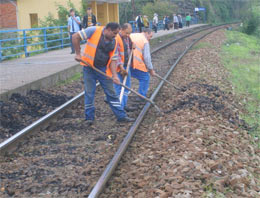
column 48, row 151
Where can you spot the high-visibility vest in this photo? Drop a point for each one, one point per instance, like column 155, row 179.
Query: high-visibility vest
column 121, row 52
column 91, row 48
column 139, row 40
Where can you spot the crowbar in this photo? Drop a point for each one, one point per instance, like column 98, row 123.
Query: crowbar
column 124, row 81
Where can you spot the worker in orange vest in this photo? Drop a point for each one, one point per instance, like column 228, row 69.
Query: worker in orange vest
column 124, row 47
column 100, row 52
column 142, row 66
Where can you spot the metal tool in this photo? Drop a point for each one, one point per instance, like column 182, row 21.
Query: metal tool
column 121, row 84
column 125, row 78
column 167, row 82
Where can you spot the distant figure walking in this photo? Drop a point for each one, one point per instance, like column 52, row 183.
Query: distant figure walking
column 155, row 22
column 89, row 19
column 188, row 19
column 73, row 27
column 139, row 22
column 175, row 21
column 146, row 22
column 180, row 21
column 166, row 23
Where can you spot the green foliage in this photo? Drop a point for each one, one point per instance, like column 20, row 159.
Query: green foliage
column 240, row 57
column 251, row 21
column 160, row 7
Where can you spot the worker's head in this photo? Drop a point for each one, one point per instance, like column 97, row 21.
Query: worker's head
column 111, row 30
column 148, row 33
column 89, row 11
column 72, row 12
column 126, row 30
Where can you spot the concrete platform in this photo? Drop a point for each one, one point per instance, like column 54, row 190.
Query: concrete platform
column 44, row 70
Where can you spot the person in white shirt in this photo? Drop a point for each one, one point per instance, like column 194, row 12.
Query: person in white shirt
column 155, row 22
column 175, row 21
column 73, row 27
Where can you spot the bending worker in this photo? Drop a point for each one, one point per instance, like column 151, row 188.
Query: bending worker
column 100, row 52
column 124, row 44
column 142, row 66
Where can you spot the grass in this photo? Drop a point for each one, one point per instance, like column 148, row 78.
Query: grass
column 75, row 77
column 241, row 56
column 202, row 45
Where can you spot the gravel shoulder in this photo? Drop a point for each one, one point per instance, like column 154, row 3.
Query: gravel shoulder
column 200, row 147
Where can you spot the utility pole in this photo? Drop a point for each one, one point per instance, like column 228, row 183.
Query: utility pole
column 133, row 8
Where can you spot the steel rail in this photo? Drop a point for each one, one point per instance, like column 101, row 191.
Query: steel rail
column 100, row 185
column 5, row 145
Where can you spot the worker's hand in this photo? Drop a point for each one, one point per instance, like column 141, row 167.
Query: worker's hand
column 123, row 72
column 152, row 72
column 134, row 46
column 116, row 79
column 78, row 57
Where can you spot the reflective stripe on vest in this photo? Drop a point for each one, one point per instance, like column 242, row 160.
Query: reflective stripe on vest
column 91, row 48
column 138, row 61
column 122, row 49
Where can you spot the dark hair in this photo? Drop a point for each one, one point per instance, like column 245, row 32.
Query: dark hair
column 148, row 30
column 113, row 26
column 125, row 26
column 89, row 8
column 72, row 10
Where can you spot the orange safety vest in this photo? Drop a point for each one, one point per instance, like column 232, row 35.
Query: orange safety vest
column 138, row 61
column 122, row 49
column 91, row 48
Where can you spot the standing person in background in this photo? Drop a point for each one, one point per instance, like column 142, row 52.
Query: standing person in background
column 139, row 22
column 146, row 22
column 180, row 21
column 142, row 66
column 175, row 21
column 73, row 27
column 155, row 22
column 166, row 23
column 89, row 19
column 188, row 19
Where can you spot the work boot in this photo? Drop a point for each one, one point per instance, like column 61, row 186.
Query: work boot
column 89, row 122
column 139, row 100
column 130, row 109
column 126, row 119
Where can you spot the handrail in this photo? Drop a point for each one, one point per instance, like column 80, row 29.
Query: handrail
column 26, row 42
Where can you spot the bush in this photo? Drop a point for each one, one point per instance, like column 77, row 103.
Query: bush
column 251, row 22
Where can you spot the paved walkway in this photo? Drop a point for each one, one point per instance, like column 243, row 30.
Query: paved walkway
column 19, row 72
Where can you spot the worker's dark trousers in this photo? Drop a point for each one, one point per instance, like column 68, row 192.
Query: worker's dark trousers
column 90, row 78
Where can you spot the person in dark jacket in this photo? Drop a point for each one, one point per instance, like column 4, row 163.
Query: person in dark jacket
column 89, row 19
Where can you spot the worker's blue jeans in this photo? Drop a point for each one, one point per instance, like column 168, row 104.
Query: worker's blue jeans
column 126, row 92
column 90, row 77
column 143, row 78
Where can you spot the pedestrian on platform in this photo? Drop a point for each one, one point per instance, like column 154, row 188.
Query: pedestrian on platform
column 142, row 66
column 73, row 27
column 89, row 19
column 155, row 22
column 139, row 22
column 180, row 21
column 124, row 48
column 146, row 22
column 175, row 21
column 100, row 52
column 188, row 19
column 165, row 23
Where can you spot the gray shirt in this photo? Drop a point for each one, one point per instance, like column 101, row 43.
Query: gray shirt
column 147, row 56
